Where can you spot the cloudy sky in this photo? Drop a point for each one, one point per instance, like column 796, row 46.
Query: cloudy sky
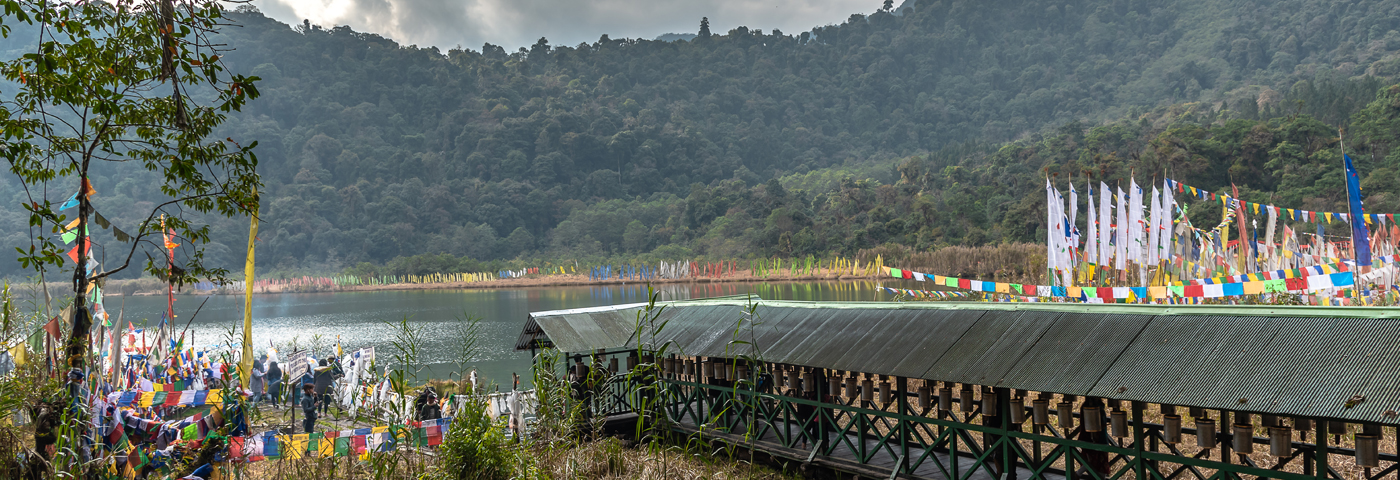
column 515, row 23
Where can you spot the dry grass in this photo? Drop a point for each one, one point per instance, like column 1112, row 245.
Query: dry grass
column 1011, row 262
column 602, row 459
column 610, row 458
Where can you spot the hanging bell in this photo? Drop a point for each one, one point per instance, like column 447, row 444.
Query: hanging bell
column 1118, row 422
column 1093, row 419
column 1018, row 411
column 1171, row 429
column 1205, row 433
column 1040, row 411
column 1244, row 438
column 1280, row 441
column 1066, row 413
column 1368, row 450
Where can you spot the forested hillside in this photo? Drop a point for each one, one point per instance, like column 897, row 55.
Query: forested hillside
column 372, row 150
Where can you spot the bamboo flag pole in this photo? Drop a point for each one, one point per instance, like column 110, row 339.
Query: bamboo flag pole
column 245, row 366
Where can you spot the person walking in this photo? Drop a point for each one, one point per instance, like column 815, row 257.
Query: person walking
column 274, row 383
column 323, row 385
column 308, row 407
column 256, row 383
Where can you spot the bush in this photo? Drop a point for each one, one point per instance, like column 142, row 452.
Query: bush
column 475, row 447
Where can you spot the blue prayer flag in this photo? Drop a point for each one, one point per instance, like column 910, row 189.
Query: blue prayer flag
column 1360, row 236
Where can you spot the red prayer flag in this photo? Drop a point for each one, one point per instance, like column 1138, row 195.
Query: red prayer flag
column 1295, row 283
column 52, row 327
column 1195, row 291
column 964, row 284
column 907, row 273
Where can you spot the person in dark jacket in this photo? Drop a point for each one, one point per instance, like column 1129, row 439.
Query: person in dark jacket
column 323, row 384
column 274, row 383
column 308, row 407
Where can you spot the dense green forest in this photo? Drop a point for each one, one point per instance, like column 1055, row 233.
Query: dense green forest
column 931, row 127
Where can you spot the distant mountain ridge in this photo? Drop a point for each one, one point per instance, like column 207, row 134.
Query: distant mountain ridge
column 673, row 37
column 372, row 150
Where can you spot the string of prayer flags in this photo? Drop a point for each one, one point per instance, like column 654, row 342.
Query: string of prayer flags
column 1314, row 282
column 181, row 398
column 338, row 443
column 1289, row 213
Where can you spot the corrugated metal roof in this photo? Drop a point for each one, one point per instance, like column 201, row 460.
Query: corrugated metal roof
column 1302, row 361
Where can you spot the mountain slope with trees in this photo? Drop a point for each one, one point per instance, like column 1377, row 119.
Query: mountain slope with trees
column 371, row 150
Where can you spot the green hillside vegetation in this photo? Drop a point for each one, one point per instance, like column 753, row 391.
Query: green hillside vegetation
column 884, row 128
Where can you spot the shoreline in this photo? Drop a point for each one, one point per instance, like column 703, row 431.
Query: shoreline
column 543, row 281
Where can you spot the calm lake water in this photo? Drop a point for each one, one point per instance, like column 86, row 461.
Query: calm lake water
column 359, row 319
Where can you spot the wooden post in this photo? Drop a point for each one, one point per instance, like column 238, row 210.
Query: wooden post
column 1008, row 452
column 1321, row 457
column 1140, row 467
column 902, row 398
column 1227, row 436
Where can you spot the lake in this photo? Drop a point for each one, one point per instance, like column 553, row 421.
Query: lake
column 360, row 319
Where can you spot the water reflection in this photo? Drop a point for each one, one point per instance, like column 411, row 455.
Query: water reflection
column 358, row 319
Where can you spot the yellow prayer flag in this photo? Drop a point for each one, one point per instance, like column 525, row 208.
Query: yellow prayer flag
column 1003, row 287
column 1157, row 292
column 1253, row 288
column 19, row 354
column 215, row 397
column 325, row 448
column 245, row 365
column 1076, row 292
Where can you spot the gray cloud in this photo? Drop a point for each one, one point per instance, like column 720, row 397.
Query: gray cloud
column 517, row 23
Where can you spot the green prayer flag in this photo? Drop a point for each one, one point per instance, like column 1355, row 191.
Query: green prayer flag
column 950, row 282
column 1178, row 290
column 158, row 399
column 1275, row 286
column 342, row 446
column 191, row 432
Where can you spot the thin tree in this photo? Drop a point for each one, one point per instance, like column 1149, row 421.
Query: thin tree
column 115, row 82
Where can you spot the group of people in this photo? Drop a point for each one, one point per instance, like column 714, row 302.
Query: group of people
column 314, row 395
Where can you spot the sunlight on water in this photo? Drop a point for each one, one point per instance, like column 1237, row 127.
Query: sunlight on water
column 359, row 319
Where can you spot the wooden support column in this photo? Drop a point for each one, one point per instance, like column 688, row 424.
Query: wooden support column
column 1139, row 466
column 1321, row 457
column 1007, row 451
column 901, row 389
column 1227, row 436
column 824, row 393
